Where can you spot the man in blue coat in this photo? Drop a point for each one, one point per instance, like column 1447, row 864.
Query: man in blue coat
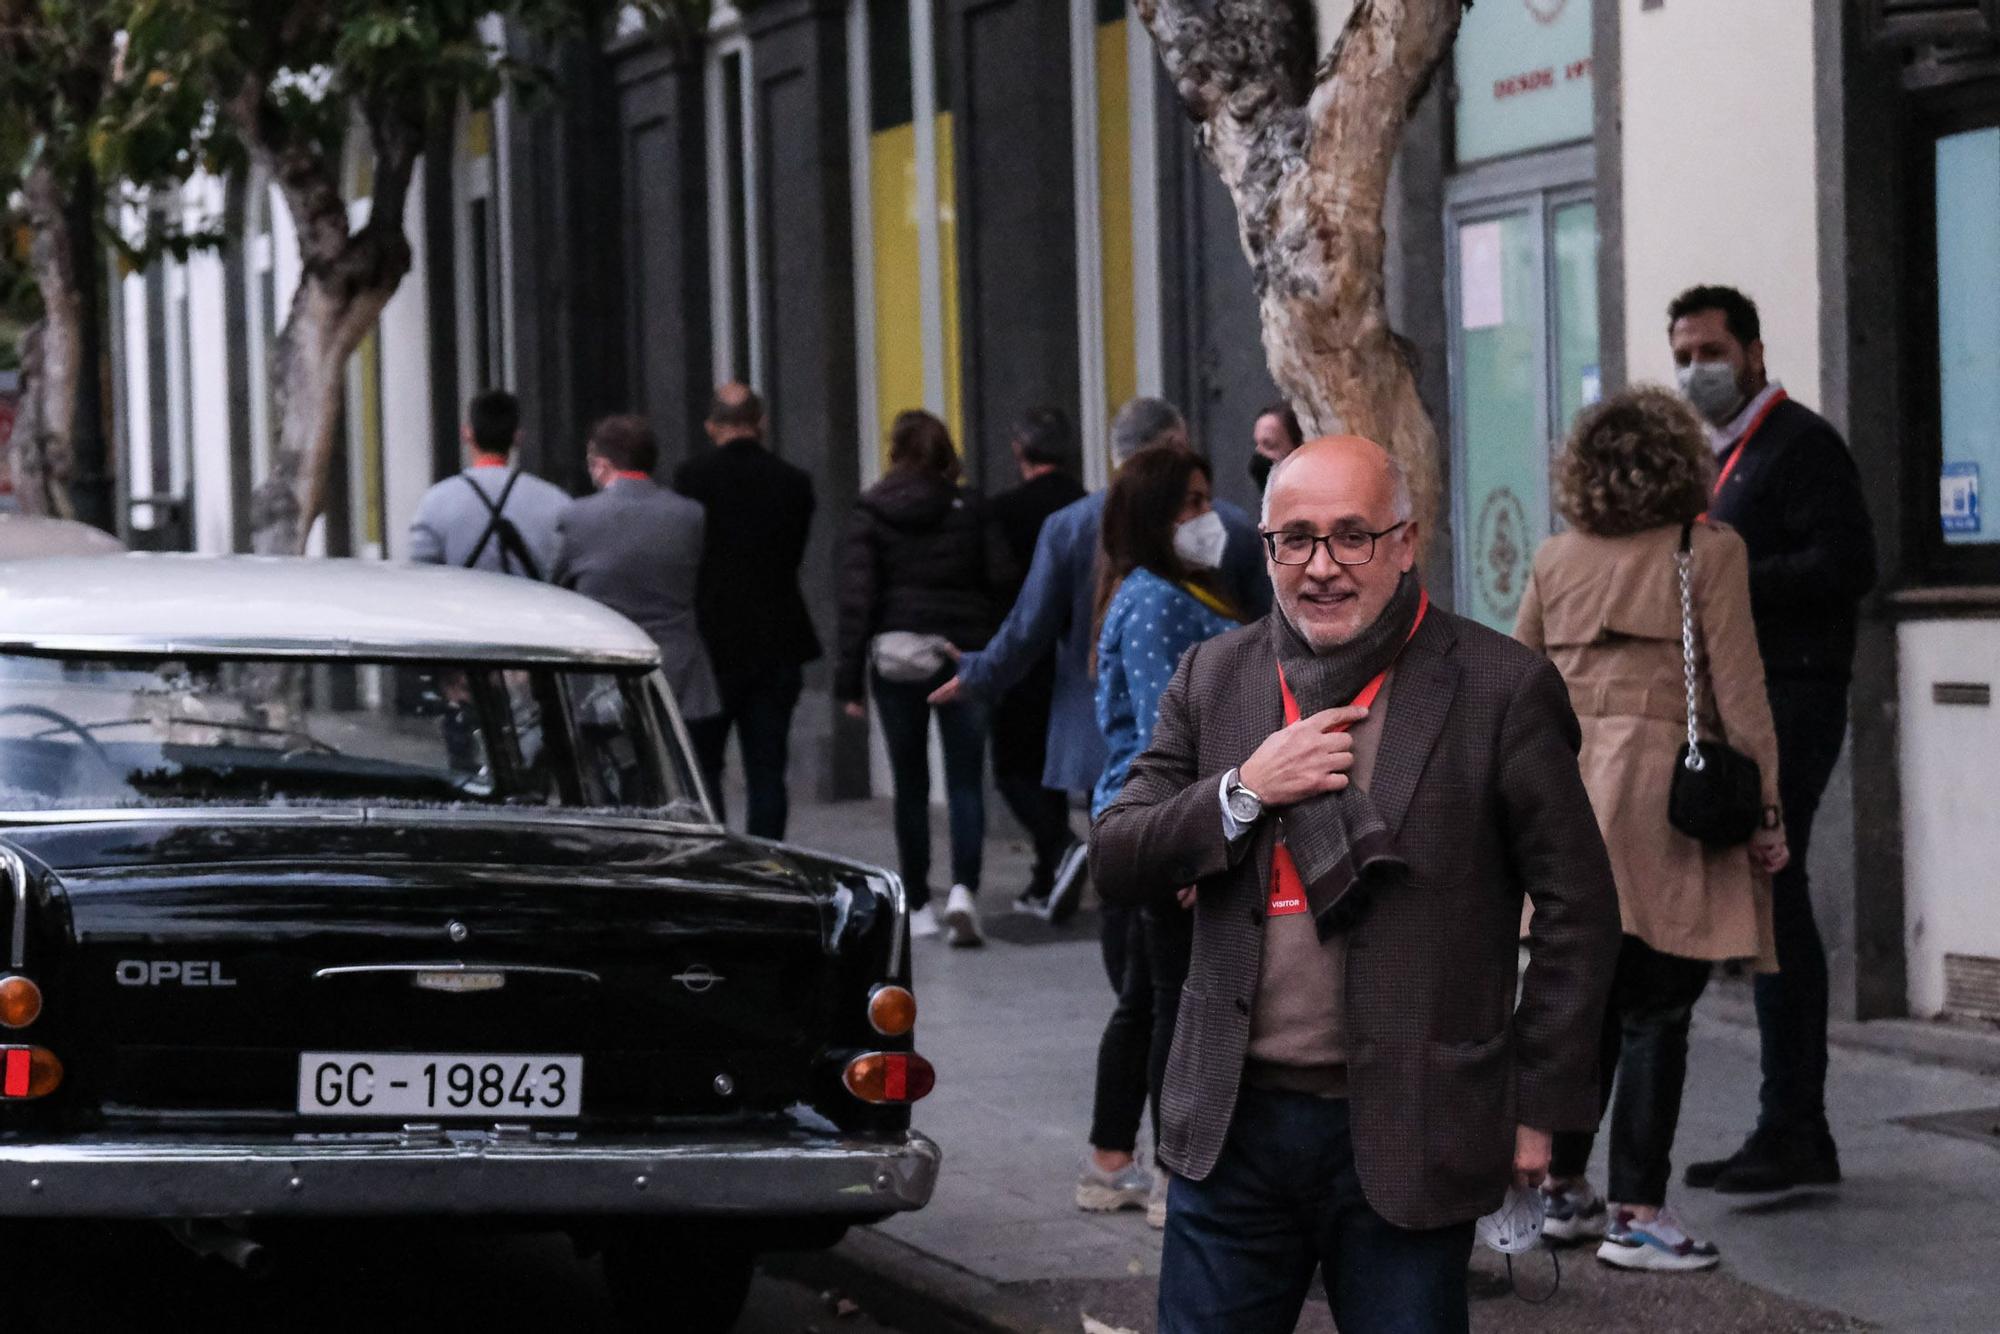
column 1056, row 610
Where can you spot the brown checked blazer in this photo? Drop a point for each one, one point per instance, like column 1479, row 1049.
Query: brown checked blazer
column 1477, row 777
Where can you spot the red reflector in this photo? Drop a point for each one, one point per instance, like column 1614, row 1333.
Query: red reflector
column 15, row 1084
column 889, row 1077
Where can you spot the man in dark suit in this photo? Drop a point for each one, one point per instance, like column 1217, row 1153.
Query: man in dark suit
column 1786, row 483
column 635, row 547
column 1352, row 1082
column 1045, row 451
column 753, row 617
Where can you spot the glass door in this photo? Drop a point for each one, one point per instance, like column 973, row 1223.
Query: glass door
column 1523, row 295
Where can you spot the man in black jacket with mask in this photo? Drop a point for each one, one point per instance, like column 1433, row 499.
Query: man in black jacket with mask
column 1786, row 483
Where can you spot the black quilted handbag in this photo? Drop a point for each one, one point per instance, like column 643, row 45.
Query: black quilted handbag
column 1717, row 793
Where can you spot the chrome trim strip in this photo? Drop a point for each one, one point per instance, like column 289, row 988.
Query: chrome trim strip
column 362, row 649
column 524, row 969
column 16, row 872
column 355, row 815
column 785, row 1173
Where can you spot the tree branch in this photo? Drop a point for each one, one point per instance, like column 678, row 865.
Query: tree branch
column 1245, row 57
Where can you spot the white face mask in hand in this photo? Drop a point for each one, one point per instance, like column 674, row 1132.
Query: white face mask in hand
column 1516, row 1226
column 1201, row 541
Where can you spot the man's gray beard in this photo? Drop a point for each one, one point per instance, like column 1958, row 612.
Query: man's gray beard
column 1317, row 641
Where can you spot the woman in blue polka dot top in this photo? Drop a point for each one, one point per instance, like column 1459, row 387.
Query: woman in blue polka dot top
column 1156, row 598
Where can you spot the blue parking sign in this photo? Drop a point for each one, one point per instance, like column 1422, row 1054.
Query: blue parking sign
column 1958, row 499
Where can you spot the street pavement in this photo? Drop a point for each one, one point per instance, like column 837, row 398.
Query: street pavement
column 1906, row 1243
column 340, row 1279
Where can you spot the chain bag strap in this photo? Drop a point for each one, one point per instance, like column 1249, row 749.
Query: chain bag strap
column 1717, row 791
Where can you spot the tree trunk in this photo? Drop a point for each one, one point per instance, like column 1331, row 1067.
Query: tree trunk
column 1306, row 155
column 308, row 376
column 45, row 430
column 347, row 279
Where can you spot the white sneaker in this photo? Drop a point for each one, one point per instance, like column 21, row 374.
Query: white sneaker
column 1573, row 1213
column 1102, row 1192
column 923, row 923
column 1156, row 1203
column 1661, row 1244
column 961, row 917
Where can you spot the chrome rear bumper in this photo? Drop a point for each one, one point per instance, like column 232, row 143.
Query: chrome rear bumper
column 790, row 1176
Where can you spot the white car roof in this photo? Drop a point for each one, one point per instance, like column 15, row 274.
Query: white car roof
column 23, row 536
column 305, row 607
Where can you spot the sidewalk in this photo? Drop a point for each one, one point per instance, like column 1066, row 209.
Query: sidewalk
column 1907, row 1243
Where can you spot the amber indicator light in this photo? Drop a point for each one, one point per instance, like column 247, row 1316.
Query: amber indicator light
column 28, row 1072
column 20, row 1001
column 892, row 1011
column 889, row 1077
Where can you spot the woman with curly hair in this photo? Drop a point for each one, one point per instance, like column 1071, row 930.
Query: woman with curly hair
column 1604, row 603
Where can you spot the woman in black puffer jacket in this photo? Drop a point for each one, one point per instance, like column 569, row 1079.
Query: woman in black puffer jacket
column 914, row 593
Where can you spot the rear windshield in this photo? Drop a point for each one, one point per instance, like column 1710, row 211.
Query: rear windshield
column 79, row 733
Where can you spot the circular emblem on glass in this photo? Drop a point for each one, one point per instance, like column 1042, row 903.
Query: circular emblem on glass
column 1546, row 11
column 1500, row 553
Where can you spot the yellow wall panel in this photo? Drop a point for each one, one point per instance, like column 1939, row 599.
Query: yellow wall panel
column 947, row 203
column 1114, row 183
column 899, row 309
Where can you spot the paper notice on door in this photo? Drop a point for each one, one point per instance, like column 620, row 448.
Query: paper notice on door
column 1481, row 304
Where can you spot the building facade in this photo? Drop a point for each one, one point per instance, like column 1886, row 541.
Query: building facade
column 977, row 206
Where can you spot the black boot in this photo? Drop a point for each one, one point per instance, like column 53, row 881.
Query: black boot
column 1774, row 1161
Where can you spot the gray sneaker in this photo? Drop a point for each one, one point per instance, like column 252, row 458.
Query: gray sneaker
column 1101, row 1192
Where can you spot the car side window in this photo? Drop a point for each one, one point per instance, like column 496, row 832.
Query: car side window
column 611, row 749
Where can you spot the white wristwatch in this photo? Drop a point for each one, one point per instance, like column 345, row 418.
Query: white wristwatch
column 1245, row 806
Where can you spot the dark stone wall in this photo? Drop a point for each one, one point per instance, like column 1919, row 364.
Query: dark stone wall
column 805, row 228
column 659, row 311
column 1014, row 158
column 1214, row 365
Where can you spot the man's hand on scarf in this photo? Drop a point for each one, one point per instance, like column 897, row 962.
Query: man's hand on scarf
column 1303, row 760
column 1532, row 1149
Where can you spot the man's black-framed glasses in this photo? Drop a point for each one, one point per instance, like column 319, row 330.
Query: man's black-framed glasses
column 1349, row 546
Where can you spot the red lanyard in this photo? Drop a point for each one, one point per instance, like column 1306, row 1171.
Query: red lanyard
column 1737, row 452
column 1369, row 691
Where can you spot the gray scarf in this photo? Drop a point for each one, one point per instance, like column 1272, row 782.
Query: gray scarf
column 1339, row 842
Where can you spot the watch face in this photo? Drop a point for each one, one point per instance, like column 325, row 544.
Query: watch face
column 1244, row 806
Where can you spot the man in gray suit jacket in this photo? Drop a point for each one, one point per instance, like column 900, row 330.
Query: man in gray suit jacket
column 635, row 546
column 1362, row 788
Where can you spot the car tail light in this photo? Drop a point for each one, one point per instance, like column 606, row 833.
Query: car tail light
column 20, row 1001
column 889, row 1076
column 28, row 1072
column 892, row 1010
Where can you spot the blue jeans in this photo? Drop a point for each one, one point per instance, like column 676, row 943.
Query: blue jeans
column 758, row 703
column 1811, row 718
column 905, row 713
column 1284, row 1200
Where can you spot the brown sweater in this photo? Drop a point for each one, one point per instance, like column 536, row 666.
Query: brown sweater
column 1298, row 1024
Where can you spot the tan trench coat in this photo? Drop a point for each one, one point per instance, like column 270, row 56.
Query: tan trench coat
column 1607, row 612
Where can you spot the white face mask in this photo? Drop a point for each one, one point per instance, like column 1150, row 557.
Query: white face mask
column 1201, row 541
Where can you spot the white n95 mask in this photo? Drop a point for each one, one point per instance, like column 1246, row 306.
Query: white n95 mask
column 1515, row 1228
column 1201, row 541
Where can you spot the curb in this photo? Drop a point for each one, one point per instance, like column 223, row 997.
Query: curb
column 1919, row 1041
column 903, row 1286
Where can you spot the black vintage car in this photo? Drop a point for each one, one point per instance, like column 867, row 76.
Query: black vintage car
column 331, row 889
